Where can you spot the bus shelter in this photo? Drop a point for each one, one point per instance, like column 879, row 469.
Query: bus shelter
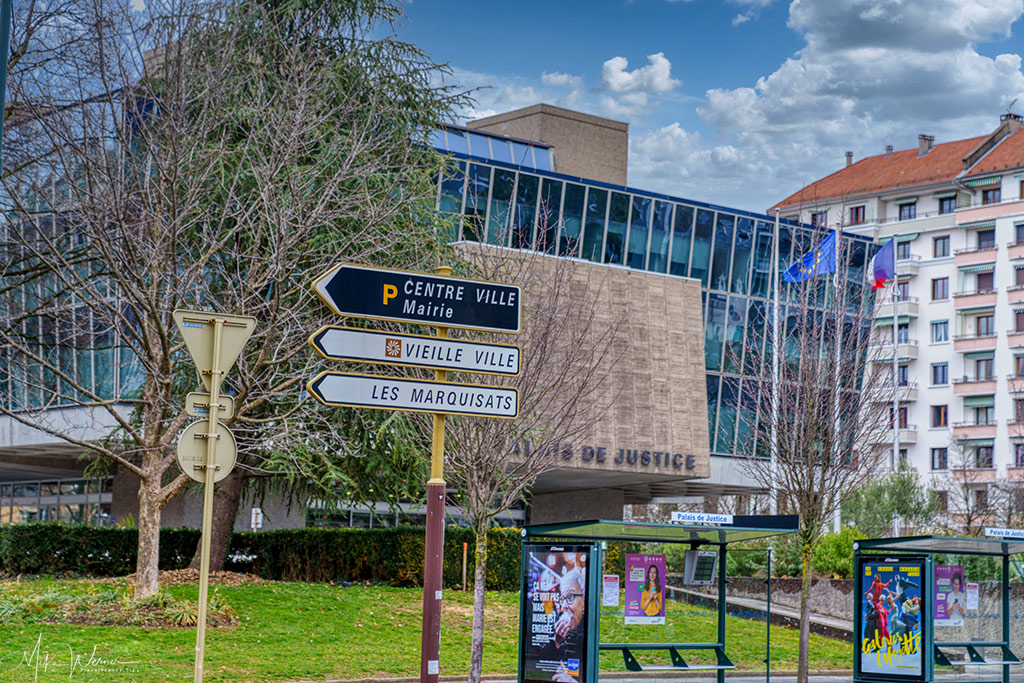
column 913, row 612
column 564, row 587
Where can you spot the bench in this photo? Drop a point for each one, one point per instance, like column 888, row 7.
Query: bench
column 678, row 663
column 974, row 657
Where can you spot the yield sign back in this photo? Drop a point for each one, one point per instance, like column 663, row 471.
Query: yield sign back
column 197, row 329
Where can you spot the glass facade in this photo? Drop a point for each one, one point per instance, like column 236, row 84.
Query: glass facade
column 728, row 250
column 72, row 501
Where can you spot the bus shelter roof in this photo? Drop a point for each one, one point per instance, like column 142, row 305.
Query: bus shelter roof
column 952, row 545
column 743, row 528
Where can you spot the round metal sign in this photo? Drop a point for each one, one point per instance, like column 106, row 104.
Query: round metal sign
column 192, row 451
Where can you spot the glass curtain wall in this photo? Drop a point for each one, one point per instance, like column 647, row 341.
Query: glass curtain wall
column 730, row 252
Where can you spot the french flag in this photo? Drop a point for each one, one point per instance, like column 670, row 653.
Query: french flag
column 883, row 265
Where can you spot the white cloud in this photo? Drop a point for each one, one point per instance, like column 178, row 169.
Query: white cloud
column 556, row 78
column 654, row 78
column 742, row 18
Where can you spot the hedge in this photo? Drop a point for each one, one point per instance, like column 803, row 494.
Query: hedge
column 391, row 555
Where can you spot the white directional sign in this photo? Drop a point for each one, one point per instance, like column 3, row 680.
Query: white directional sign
column 370, row 346
column 996, row 532
column 700, row 518
column 393, row 393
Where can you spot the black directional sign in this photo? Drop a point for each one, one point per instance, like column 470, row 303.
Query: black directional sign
column 404, row 296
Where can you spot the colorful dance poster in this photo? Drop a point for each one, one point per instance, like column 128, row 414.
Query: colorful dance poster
column 890, row 607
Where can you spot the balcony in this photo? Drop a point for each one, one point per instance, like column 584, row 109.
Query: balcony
column 880, row 351
column 907, row 267
column 1016, row 250
column 982, row 254
column 1015, row 294
column 1015, row 338
column 908, row 435
column 966, row 386
column 1015, row 383
column 883, row 393
column 973, row 299
column 977, row 342
column 974, row 430
column 906, row 306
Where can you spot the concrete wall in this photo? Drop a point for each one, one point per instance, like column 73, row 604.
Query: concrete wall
column 585, row 146
column 575, row 505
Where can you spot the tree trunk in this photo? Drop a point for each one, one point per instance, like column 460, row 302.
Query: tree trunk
column 806, row 574
column 476, row 650
column 147, row 579
column 226, row 495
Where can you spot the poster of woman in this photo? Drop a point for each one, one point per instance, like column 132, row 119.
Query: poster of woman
column 645, row 589
column 950, row 603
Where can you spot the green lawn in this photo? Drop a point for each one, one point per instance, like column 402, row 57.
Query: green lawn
column 293, row 631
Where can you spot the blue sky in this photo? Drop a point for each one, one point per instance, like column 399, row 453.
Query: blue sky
column 739, row 102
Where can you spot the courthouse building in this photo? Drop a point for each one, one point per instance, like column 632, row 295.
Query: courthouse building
column 691, row 279
column 956, row 212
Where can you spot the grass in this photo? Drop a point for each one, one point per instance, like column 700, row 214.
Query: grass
column 298, row 631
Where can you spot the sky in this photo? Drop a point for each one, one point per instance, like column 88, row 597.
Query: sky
column 738, row 102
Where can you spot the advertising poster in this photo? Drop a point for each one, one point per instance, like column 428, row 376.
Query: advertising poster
column 554, row 636
column 645, row 589
column 950, row 601
column 890, row 603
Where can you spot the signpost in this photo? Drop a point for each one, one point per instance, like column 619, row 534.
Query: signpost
column 445, row 302
column 214, row 340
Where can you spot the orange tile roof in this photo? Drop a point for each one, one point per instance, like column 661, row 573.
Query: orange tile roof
column 904, row 168
column 1008, row 154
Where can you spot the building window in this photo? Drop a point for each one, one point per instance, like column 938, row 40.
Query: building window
column 903, row 417
column 1018, row 232
column 1018, row 277
column 983, row 369
column 1018, row 455
column 983, row 415
column 940, row 246
column 939, row 459
column 908, row 211
column 942, row 498
column 856, row 215
column 980, row 499
column 984, row 325
column 902, row 333
column 1018, row 366
column 1018, row 320
column 940, row 288
column 903, row 291
column 991, row 196
column 1018, row 410
column 947, row 204
column 983, row 456
column 986, row 239
column 984, row 282
column 940, row 416
column 902, row 250
column 903, row 375
column 819, row 219
column 940, row 373
column 940, row 331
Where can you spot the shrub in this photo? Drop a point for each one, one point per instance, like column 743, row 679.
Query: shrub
column 833, row 553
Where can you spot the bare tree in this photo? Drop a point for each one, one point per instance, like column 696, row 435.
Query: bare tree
column 204, row 155
column 569, row 345
column 833, row 417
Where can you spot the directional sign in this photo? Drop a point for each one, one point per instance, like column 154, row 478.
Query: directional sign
column 198, row 403
column 422, row 396
column 192, row 451
column 415, row 350
column 405, row 296
column 197, row 329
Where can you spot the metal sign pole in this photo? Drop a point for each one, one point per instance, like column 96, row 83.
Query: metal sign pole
column 433, row 562
column 216, row 374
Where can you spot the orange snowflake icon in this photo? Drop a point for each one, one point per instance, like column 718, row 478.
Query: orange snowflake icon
column 393, row 348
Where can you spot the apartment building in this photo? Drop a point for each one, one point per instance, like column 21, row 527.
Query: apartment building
column 956, row 212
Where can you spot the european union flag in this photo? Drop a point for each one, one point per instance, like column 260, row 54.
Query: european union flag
column 820, row 259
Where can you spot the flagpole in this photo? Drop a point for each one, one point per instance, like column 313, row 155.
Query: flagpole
column 895, row 382
column 773, row 501
column 840, row 318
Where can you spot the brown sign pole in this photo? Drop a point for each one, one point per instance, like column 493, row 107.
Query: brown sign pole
column 433, row 560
